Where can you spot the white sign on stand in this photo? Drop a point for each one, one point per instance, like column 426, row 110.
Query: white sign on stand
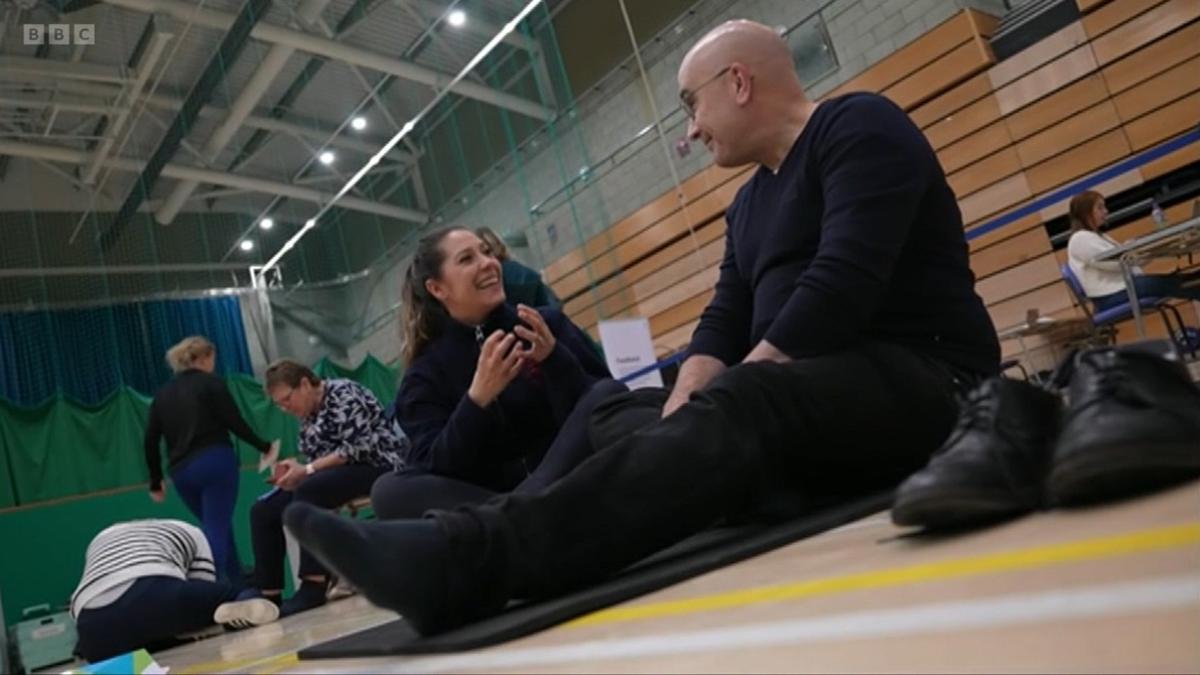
column 628, row 349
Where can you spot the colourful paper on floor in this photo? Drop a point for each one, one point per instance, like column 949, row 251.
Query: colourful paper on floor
column 139, row 662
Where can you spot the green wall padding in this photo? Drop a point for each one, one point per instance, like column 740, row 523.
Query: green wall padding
column 62, row 451
column 372, row 373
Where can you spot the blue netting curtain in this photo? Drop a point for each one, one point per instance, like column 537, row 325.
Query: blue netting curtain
column 87, row 354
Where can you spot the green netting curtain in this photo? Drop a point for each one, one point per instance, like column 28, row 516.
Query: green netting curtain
column 87, row 355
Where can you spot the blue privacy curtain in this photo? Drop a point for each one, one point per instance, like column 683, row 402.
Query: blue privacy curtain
column 87, row 354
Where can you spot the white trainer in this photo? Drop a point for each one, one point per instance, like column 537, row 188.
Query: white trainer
column 246, row 613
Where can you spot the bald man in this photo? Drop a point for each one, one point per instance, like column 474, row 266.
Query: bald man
column 843, row 327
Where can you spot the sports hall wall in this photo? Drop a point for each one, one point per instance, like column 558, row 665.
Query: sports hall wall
column 576, row 183
column 1110, row 102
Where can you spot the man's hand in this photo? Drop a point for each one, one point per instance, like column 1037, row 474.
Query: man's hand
column 695, row 373
column 765, row 351
column 159, row 495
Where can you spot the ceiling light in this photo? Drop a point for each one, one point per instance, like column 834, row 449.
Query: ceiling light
column 266, row 223
column 358, row 123
column 326, row 157
column 457, row 18
column 246, row 245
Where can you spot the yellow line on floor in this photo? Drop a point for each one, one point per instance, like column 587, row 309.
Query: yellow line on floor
column 1076, row 551
column 276, row 664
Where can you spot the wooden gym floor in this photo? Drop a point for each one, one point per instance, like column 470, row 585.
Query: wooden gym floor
column 1114, row 588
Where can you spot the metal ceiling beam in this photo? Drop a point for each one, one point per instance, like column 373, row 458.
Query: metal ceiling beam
column 228, row 50
column 62, row 70
column 332, row 49
column 247, row 100
column 262, row 185
column 167, row 102
column 476, row 25
column 93, row 270
column 134, row 90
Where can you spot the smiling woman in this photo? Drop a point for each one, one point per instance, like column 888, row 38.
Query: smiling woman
column 495, row 397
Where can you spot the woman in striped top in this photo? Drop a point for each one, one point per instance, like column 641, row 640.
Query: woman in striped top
column 146, row 581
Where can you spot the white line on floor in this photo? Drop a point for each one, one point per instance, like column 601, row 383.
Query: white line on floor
column 1086, row 602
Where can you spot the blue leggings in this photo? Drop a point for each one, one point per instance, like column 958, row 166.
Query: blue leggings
column 208, row 484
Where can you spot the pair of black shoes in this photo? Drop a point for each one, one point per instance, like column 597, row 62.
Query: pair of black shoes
column 1132, row 425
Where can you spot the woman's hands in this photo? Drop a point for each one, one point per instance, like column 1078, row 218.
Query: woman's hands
column 502, row 355
column 537, row 333
column 500, row 359
column 287, row 474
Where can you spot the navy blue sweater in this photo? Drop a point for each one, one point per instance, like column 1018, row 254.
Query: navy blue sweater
column 496, row 446
column 856, row 237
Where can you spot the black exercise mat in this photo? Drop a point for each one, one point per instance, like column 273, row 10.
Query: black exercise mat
column 704, row 552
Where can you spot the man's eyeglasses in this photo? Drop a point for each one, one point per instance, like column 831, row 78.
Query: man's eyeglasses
column 687, row 99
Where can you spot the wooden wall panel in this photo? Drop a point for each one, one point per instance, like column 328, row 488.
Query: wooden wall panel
column 1037, row 55
column 1013, row 282
column 965, row 61
column 1144, row 29
column 995, row 198
column 977, row 243
column 1092, row 155
column 1010, row 252
column 633, row 294
column 688, row 310
column 1156, row 91
column 1112, row 186
column 674, row 339
column 1047, row 300
column 944, row 38
column 985, row 172
column 1056, row 107
column 952, row 101
column 1068, row 133
column 673, row 254
column 1165, row 122
column 980, row 144
column 1066, row 69
column 1153, row 58
column 1172, row 161
column 971, row 118
column 1114, row 14
column 1086, row 6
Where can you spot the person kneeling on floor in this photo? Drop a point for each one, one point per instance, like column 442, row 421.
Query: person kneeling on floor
column 146, row 582
column 348, row 442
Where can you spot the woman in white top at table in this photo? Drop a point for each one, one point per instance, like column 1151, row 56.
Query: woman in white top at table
column 1103, row 281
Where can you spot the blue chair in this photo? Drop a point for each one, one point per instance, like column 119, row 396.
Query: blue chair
column 1108, row 318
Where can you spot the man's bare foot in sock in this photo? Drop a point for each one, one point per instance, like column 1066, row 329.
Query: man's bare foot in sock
column 403, row 565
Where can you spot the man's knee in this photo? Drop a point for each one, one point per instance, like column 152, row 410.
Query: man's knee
column 397, row 495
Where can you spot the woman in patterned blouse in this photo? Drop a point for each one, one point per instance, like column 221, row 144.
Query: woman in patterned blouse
column 346, row 442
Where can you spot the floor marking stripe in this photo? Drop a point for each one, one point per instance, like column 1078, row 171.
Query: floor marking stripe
column 1039, row 607
column 1053, row 554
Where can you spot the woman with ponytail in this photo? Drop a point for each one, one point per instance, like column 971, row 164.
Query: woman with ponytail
column 495, row 398
column 195, row 414
column 1103, row 281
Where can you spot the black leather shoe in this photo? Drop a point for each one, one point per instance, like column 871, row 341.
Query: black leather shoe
column 993, row 464
column 1133, row 425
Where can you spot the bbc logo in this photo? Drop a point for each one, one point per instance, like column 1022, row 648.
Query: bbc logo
column 59, row 33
